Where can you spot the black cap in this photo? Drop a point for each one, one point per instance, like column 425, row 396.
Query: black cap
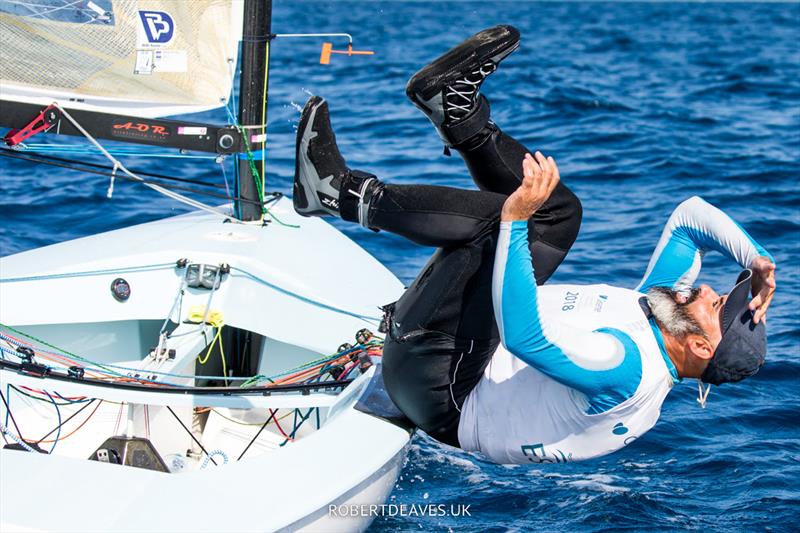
column 743, row 347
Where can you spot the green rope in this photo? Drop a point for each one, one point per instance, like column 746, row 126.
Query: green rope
column 257, row 179
column 253, row 169
column 76, row 356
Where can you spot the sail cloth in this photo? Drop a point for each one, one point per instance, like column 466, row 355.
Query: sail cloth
column 145, row 58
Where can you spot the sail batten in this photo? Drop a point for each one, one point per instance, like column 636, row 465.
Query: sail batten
column 147, row 58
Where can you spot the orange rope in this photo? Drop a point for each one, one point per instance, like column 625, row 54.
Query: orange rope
column 77, row 428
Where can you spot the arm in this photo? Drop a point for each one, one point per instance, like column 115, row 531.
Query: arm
column 694, row 228
column 605, row 365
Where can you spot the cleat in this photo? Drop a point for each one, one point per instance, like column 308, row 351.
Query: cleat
column 448, row 89
column 319, row 167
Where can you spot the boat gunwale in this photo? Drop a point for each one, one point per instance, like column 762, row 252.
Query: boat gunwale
column 51, row 374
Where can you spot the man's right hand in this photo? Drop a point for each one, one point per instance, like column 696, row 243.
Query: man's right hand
column 763, row 287
column 539, row 177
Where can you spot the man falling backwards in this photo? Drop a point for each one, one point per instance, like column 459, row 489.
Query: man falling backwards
column 478, row 353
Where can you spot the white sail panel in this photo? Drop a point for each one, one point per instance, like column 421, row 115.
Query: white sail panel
column 146, row 58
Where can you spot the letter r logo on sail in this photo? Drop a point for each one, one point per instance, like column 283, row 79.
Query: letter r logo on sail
column 158, row 26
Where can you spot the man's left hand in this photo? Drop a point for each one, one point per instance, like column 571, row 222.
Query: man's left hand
column 762, row 286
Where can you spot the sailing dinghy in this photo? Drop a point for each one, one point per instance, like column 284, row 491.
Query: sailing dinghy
column 198, row 373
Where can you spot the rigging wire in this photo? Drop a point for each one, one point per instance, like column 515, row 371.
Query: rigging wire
column 267, row 421
column 117, row 164
column 20, row 154
column 191, row 434
column 64, row 148
column 71, row 433
column 102, row 170
column 8, row 410
column 73, row 415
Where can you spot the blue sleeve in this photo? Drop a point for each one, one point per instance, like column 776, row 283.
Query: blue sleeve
column 694, row 228
column 605, row 365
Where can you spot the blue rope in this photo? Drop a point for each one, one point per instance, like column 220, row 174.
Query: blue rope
column 58, row 412
column 211, row 454
column 274, row 287
column 123, row 270
column 297, row 426
column 69, row 149
column 8, row 395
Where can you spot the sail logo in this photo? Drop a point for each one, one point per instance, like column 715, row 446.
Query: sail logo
column 158, row 27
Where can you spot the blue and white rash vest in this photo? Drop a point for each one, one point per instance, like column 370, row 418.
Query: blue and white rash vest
column 581, row 372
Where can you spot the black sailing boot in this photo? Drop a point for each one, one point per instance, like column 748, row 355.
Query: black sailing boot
column 447, row 90
column 323, row 184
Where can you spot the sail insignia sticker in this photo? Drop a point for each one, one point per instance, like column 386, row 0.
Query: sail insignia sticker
column 157, row 29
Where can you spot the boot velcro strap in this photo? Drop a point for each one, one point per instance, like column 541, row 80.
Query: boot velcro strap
column 360, row 174
column 464, row 130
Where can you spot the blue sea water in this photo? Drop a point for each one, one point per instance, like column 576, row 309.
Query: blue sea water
column 642, row 105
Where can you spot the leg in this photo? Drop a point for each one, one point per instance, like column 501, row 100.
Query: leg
column 429, row 215
column 448, row 91
column 442, row 330
column 446, row 217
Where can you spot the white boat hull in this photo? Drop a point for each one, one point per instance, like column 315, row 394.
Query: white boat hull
column 304, row 290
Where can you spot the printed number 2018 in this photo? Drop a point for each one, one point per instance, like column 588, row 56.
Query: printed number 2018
column 569, row 301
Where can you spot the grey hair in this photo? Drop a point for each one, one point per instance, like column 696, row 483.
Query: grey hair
column 673, row 316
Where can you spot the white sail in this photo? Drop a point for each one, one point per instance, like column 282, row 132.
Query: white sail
column 139, row 57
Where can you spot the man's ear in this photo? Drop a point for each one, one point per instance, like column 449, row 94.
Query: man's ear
column 700, row 346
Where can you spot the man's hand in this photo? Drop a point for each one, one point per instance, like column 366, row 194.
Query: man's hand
column 540, row 177
column 763, row 287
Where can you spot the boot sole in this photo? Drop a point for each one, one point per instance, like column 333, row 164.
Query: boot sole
column 304, row 170
column 497, row 42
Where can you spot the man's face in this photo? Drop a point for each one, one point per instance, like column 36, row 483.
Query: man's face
column 705, row 306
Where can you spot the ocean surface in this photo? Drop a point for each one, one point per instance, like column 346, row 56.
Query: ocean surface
column 642, row 105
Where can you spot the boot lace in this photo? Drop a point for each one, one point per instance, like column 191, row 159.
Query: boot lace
column 461, row 96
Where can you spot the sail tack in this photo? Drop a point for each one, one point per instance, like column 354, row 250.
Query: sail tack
column 146, row 58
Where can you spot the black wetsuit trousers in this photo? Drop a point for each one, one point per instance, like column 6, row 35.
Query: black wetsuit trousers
column 442, row 330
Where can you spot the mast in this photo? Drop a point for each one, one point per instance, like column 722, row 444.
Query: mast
column 254, row 65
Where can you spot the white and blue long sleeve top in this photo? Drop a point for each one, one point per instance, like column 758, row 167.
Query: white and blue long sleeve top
column 581, row 371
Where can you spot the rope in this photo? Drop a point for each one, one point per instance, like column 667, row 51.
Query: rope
column 217, row 339
column 257, row 179
column 212, row 453
column 297, row 426
column 229, row 419
column 75, row 149
column 702, row 395
column 92, row 168
column 191, row 434
column 163, row 266
column 19, row 441
column 58, row 413
column 272, row 414
column 76, row 413
column 307, row 371
column 304, row 299
column 8, row 410
column 71, row 433
column 120, row 270
column 175, row 196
